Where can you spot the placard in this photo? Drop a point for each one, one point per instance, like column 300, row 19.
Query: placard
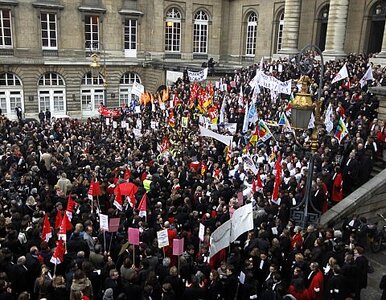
column 185, row 122
column 133, row 236
column 123, row 124
column 104, row 222
column 115, row 124
column 114, row 224
column 163, row 239
column 107, row 121
column 178, row 246
column 137, row 109
column 201, row 232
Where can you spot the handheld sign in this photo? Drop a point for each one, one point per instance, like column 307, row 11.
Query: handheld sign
column 178, row 246
column 133, row 236
column 163, row 239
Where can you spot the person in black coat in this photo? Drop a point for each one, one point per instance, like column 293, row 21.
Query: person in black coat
column 336, row 286
column 214, row 287
column 230, row 284
column 350, row 274
column 58, row 289
column 76, row 244
column 362, row 264
column 382, row 286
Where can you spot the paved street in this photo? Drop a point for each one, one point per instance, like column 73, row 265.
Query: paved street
column 378, row 261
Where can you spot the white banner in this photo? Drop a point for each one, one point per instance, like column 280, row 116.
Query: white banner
column 137, row 89
column 220, row 238
column 198, row 76
column 226, row 139
column 271, row 83
column 242, row 221
column 232, row 127
column 249, row 164
column 172, row 77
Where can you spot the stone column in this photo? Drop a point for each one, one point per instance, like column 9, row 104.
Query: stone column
column 336, row 28
column 291, row 27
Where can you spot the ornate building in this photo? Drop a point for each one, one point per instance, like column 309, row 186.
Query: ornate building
column 46, row 46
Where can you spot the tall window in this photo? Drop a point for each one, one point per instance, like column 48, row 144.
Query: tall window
column 125, row 86
column 11, row 94
column 173, row 31
column 52, row 93
column 92, row 93
column 91, row 30
column 200, row 33
column 131, row 37
column 251, row 34
column 280, row 32
column 5, row 28
column 49, row 32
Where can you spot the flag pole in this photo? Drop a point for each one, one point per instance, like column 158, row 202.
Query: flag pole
column 111, row 240
column 55, row 269
column 104, row 240
column 134, row 255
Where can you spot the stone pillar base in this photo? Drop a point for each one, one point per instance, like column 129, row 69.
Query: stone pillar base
column 333, row 55
column 378, row 60
column 286, row 52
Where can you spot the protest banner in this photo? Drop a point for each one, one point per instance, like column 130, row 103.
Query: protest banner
column 198, row 76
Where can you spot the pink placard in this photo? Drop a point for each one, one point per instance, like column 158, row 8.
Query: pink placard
column 240, row 199
column 178, row 246
column 114, row 224
column 133, row 236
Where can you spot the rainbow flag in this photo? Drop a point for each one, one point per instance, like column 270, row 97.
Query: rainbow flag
column 263, row 131
column 341, row 130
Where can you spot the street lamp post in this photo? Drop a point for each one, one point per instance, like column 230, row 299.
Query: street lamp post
column 95, row 65
column 302, row 108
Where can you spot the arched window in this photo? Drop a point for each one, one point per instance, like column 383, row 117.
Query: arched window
column 280, row 27
column 52, row 94
column 11, row 94
column 173, row 30
column 322, row 27
column 92, row 93
column 200, row 33
column 377, row 26
column 125, row 87
column 251, row 34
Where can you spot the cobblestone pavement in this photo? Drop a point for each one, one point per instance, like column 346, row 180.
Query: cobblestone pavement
column 378, row 262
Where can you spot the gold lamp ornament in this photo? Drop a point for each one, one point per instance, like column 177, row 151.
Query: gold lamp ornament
column 95, row 65
column 302, row 105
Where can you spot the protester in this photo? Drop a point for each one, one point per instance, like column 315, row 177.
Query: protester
column 60, row 177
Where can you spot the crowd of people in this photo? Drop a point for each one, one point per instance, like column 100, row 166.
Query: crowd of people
column 189, row 180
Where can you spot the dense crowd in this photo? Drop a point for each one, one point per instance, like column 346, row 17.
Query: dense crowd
column 191, row 181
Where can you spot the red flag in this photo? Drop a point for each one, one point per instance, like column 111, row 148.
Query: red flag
column 70, row 207
column 64, row 227
column 142, row 206
column 58, row 255
column 257, row 185
column 46, row 232
column 58, row 219
column 275, row 194
column 171, row 119
column 94, row 190
column 118, row 198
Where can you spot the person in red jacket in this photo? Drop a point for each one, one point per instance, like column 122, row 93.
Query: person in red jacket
column 315, row 288
column 337, row 186
column 297, row 238
column 298, row 290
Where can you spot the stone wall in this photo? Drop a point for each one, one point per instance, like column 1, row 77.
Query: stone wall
column 366, row 201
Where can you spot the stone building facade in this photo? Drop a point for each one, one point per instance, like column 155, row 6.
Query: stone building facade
column 46, row 45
